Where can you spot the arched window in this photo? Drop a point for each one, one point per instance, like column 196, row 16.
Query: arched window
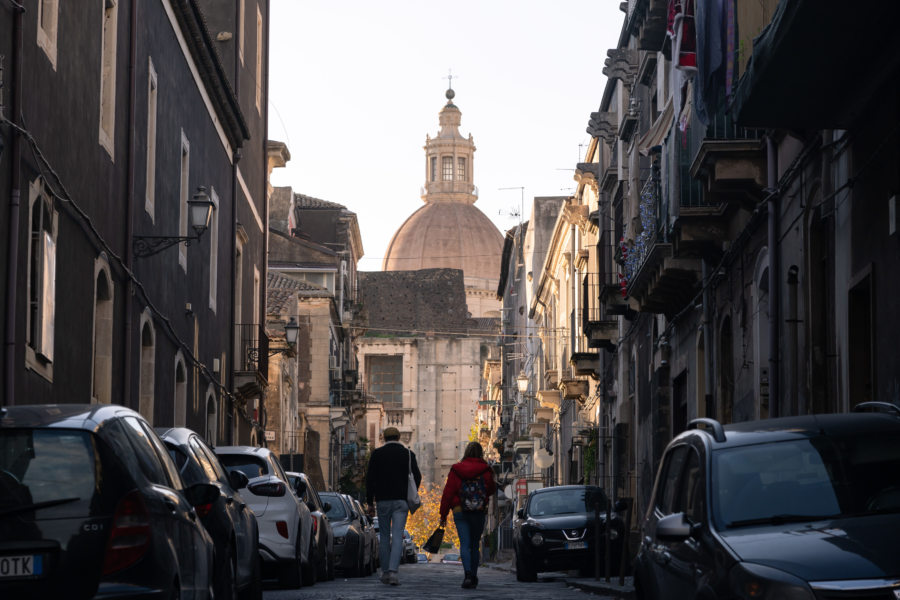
column 148, row 367
column 103, row 332
column 180, row 419
column 212, row 416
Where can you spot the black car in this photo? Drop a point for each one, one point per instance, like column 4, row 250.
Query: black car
column 91, row 505
column 228, row 519
column 556, row 530
column 349, row 537
column 803, row 508
column 322, row 531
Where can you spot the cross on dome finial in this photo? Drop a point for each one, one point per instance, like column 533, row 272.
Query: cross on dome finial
column 450, row 93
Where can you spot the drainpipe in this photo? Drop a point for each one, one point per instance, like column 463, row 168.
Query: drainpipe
column 774, row 268
column 235, row 285
column 573, row 284
column 12, row 273
column 708, row 354
column 797, row 406
column 127, row 338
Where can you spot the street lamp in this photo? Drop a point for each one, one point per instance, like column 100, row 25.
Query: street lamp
column 522, row 382
column 291, row 331
column 199, row 212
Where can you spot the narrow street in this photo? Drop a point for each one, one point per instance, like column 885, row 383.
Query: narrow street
column 435, row 580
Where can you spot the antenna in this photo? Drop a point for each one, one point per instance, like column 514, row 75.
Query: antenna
column 521, row 189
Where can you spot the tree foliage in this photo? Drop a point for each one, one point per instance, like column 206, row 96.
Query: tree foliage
column 425, row 520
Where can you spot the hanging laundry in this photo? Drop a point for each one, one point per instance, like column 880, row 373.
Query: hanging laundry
column 680, row 28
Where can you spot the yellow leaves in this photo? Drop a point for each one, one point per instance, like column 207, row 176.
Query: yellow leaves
column 425, row 520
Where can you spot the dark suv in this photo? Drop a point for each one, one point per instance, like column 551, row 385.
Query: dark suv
column 796, row 508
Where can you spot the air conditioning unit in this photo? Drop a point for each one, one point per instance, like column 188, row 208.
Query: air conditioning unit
column 333, row 362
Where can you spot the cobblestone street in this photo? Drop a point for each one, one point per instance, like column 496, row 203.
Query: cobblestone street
column 437, row 581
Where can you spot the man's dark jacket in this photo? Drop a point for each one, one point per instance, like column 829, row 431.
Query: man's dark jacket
column 387, row 477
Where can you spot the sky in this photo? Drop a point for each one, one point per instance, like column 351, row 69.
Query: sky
column 356, row 85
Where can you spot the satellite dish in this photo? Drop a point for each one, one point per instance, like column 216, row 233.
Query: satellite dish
column 543, row 459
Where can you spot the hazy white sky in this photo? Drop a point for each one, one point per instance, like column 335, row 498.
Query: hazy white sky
column 355, row 86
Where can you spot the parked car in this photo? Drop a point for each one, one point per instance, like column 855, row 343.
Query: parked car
column 451, row 558
column 797, row 507
column 285, row 524
column 409, row 548
column 371, row 536
column 421, row 557
column 556, row 530
column 349, row 538
column 322, row 531
column 228, row 519
column 91, row 505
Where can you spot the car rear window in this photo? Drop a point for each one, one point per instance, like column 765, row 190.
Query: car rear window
column 337, row 510
column 251, row 466
column 51, row 471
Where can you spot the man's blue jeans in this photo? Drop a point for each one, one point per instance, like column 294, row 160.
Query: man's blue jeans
column 391, row 524
column 469, row 527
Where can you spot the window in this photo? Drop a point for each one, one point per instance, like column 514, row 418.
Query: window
column 150, row 192
column 259, row 62
column 148, row 367
column 447, row 168
column 668, row 481
column 41, row 277
column 434, row 168
column 108, row 75
column 212, row 416
column 460, row 169
column 385, row 378
column 148, row 461
column 183, row 198
column 180, row 392
column 103, row 333
column 162, row 455
column 208, row 470
column 47, row 18
column 214, row 251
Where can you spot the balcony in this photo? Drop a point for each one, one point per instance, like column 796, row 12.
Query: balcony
column 648, row 23
column 251, row 364
column 576, row 389
column 543, row 414
column 657, row 281
column 599, row 332
column 549, row 398
column 401, row 418
column 537, row 430
column 586, row 364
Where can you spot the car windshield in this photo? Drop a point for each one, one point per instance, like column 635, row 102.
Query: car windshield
column 53, row 471
column 251, row 466
column 566, row 501
column 806, row 480
column 336, row 510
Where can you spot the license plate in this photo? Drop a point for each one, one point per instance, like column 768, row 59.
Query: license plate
column 27, row 565
column 576, row 545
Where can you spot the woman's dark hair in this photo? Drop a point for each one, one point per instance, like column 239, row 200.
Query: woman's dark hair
column 474, row 450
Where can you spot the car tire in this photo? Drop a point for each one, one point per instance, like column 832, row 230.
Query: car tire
column 525, row 571
column 291, row 572
column 310, row 570
column 329, row 576
column 225, row 584
column 253, row 591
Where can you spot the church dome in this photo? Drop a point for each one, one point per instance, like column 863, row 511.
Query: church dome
column 447, row 235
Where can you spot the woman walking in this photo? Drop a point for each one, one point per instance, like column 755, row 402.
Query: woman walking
column 469, row 488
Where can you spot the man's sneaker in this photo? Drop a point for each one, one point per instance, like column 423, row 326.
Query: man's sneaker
column 393, row 579
column 385, row 577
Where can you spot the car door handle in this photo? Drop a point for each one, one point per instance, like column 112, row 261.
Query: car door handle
column 665, row 557
column 229, row 499
column 171, row 506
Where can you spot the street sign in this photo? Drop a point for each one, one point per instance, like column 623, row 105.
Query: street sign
column 270, row 436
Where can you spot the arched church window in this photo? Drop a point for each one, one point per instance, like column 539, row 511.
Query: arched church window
column 447, row 168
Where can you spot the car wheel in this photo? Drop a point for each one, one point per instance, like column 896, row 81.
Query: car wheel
column 254, row 590
column 291, row 575
column 309, row 571
column 525, row 571
column 226, row 580
column 330, row 576
column 322, row 568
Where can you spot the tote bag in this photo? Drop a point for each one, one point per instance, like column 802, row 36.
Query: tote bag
column 412, row 490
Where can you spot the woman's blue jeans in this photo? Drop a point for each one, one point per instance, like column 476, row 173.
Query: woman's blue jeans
column 469, row 526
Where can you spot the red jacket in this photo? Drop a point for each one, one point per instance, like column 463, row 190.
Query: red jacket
column 467, row 468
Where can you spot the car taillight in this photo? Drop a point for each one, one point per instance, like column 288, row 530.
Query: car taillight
column 276, row 488
column 315, row 526
column 281, row 526
column 130, row 534
column 203, row 509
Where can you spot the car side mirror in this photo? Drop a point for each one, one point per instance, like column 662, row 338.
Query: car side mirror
column 520, row 513
column 238, row 479
column 201, row 493
column 326, row 506
column 621, row 505
column 675, row 528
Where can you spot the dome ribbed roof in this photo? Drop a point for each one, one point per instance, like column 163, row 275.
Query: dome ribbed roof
column 447, row 235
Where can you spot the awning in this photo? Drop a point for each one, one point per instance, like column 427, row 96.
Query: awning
column 818, row 64
column 659, row 130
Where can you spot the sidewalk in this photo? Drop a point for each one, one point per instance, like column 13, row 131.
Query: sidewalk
column 587, row 584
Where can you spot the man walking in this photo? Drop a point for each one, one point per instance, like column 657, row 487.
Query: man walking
column 387, row 483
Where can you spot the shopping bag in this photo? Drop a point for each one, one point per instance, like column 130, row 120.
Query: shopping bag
column 434, row 542
column 412, row 490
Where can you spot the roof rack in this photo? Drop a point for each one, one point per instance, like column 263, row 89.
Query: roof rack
column 876, row 406
column 713, row 426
